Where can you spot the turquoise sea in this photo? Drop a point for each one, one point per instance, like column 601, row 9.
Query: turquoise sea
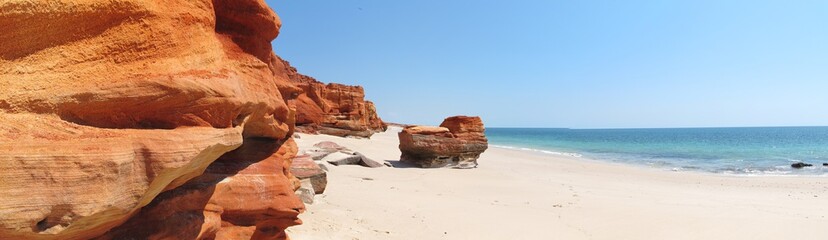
column 755, row 151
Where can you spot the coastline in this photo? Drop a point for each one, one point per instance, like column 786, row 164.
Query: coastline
column 517, row 194
column 668, row 168
column 745, row 150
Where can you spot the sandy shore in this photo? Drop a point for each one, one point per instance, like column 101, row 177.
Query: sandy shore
column 516, row 194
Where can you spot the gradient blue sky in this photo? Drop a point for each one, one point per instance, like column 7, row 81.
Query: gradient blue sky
column 578, row 64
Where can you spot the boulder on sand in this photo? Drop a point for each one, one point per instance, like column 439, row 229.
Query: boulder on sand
column 303, row 167
column 340, row 158
column 316, row 153
column 458, row 142
column 305, row 191
column 322, row 149
column 329, row 146
column 356, row 158
column 371, row 163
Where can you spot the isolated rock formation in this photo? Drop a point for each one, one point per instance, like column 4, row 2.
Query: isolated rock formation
column 144, row 119
column 466, row 128
column 458, row 142
column 333, row 109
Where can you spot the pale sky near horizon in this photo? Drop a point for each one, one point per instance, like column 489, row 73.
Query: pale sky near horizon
column 576, row 64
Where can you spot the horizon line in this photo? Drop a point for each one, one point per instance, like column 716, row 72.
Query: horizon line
column 632, row 128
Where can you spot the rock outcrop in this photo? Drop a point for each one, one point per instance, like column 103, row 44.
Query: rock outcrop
column 458, row 142
column 333, row 109
column 242, row 195
column 144, row 119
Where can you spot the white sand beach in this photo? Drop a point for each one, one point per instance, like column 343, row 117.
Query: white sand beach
column 517, row 194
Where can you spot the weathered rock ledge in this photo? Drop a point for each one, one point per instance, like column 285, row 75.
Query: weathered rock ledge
column 333, row 109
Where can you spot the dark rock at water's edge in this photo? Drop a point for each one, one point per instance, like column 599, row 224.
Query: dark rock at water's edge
column 825, row 164
column 801, row 165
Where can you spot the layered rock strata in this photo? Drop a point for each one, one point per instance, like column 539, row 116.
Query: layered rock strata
column 333, row 109
column 144, row 119
column 242, row 195
column 458, row 142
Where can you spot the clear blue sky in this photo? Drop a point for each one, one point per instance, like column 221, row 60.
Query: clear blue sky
column 578, row 64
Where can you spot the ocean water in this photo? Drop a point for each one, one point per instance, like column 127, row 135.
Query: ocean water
column 754, row 151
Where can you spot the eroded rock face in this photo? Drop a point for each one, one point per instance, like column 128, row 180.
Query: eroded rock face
column 458, row 142
column 243, row 192
column 111, row 110
column 333, row 109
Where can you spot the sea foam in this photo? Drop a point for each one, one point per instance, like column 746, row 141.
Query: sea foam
column 568, row 154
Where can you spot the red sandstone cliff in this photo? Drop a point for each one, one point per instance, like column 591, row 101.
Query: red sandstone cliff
column 147, row 119
column 333, row 109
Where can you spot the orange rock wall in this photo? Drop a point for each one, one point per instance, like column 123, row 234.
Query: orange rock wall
column 333, row 109
column 112, row 111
